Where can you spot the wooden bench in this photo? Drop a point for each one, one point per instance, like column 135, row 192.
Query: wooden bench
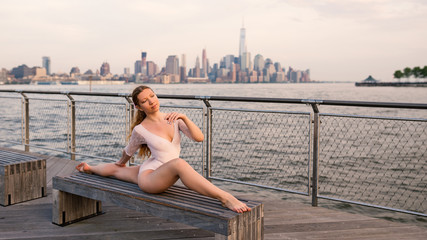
column 79, row 196
column 22, row 177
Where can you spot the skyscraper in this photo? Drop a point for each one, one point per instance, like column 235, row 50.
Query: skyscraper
column 204, row 71
column 228, row 61
column 151, row 68
column 242, row 45
column 138, row 66
column 196, row 71
column 46, row 64
column 183, row 69
column 245, row 62
column 144, row 63
column 172, row 65
column 258, row 63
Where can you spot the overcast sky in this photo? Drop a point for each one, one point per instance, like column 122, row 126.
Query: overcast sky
column 338, row 40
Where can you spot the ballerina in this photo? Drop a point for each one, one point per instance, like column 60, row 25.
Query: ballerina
column 156, row 135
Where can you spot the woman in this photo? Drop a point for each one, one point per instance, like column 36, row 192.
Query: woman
column 157, row 136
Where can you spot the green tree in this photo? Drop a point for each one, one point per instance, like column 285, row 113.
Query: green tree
column 398, row 74
column 424, row 72
column 417, row 72
column 407, row 72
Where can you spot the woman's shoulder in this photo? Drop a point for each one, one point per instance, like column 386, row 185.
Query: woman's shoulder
column 138, row 127
column 138, row 130
column 138, row 133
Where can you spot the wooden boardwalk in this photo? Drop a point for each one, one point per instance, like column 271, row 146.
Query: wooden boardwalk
column 284, row 219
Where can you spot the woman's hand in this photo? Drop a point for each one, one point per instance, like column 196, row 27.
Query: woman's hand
column 193, row 130
column 118, row 163
column 173, row 116
column 123, row 160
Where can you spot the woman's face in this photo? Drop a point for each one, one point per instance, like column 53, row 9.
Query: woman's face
column 148, row 101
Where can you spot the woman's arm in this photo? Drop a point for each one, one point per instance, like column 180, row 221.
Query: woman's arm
column 194, row 130
column 123, row 160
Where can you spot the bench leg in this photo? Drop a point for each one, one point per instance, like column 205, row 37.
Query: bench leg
column 248, row 226
column 68, row 208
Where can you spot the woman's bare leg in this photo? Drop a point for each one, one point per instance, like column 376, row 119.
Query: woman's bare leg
column 166, row 175
column 128, row 174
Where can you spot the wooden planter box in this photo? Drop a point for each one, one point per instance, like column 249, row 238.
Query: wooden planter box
column 22, row 177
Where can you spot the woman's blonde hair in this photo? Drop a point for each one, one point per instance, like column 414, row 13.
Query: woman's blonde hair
column 144, row 151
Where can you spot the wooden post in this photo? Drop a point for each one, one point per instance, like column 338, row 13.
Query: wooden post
column 68, row 208
column 22, row 178
column 248, row 226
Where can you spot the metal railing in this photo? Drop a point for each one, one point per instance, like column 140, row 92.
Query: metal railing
column 367, row 160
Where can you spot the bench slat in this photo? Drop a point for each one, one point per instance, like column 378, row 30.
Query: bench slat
column 175, row 193
column 115, row 185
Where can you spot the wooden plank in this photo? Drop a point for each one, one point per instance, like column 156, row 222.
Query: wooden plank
column 130, row 224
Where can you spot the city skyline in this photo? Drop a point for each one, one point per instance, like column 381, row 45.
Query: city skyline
column 337, row 41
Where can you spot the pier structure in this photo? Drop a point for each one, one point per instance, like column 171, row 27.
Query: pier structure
column 284, row 219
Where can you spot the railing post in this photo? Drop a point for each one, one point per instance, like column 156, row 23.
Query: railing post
column 315, row 174
column 26, row 123
column 72, row 105
column 130, row 113
column 208, row 139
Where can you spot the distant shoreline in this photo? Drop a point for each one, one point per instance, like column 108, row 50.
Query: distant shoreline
column 117, row 82
column 391, row 84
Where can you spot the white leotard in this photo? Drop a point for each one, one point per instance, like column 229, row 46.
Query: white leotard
column 162, row 150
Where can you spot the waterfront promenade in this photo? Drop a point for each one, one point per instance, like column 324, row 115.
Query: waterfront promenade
column 284, row 219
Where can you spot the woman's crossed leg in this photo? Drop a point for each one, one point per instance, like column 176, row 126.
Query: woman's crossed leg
column 159, row 180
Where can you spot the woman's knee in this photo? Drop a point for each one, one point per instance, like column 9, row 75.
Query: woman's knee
column 178, row 162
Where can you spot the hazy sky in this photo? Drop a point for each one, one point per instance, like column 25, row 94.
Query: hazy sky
column 338, row 40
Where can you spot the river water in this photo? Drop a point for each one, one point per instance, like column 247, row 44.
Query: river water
column 324, row 91
column 318, row 91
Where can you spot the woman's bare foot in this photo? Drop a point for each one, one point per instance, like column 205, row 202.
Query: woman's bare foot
column 234, row 204
column 84, row 167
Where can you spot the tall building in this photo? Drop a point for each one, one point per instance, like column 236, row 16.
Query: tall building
column 196, row 71
column 228, row 61
column 151, row 68
column 278, row 67
column 204, row 70
column 242, row 45
column 138, row 66
column 245, row 62
column 258, row 63
column 183, row 69
column 105, row 69
column 172, row 65
column 46, row 64
column 144, row 63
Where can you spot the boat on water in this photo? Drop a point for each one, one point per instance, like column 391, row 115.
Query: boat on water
column 69, row 83
column 46, row 83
